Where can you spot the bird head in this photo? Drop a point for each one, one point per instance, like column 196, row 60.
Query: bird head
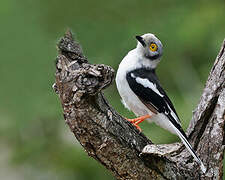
column 149, row 46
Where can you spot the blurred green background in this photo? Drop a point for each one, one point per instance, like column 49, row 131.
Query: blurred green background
column 35, row 143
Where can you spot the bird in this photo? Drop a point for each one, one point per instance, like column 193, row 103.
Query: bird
column 142, row 93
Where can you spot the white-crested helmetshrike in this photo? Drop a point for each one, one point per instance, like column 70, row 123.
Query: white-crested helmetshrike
column 142, row 93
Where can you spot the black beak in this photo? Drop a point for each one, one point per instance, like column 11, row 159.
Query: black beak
column 141, row 40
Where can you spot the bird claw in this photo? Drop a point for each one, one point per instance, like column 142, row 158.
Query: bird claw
column 138, row 120
column 132, row 120
column 137, row 127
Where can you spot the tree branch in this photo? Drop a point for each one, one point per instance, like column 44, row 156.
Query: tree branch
column 115, row 143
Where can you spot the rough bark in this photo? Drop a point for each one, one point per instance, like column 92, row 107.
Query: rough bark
column 117, row 144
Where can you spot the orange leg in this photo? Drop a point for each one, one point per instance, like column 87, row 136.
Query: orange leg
column 138, row 120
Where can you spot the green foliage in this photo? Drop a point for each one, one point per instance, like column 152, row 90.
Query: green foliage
column 31, row 121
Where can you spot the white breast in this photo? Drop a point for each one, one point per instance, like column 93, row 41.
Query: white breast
column 129, row 99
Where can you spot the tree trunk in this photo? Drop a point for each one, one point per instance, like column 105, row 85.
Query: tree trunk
column 116, row 143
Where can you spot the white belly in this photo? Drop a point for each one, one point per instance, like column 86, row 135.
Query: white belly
column 129, row 99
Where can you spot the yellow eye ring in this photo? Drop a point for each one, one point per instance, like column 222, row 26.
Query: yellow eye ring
column 153, row 47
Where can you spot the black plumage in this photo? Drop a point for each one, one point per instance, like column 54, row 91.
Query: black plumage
column 154, row 101
column 148, row 95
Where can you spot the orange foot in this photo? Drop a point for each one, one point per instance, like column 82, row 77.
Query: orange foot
column 138, row 120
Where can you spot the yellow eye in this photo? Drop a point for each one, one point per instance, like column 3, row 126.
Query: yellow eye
column 153, row 47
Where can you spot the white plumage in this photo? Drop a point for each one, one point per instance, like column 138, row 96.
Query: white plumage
column 129, row 99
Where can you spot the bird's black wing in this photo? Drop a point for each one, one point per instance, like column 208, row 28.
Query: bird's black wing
column 144, row 83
